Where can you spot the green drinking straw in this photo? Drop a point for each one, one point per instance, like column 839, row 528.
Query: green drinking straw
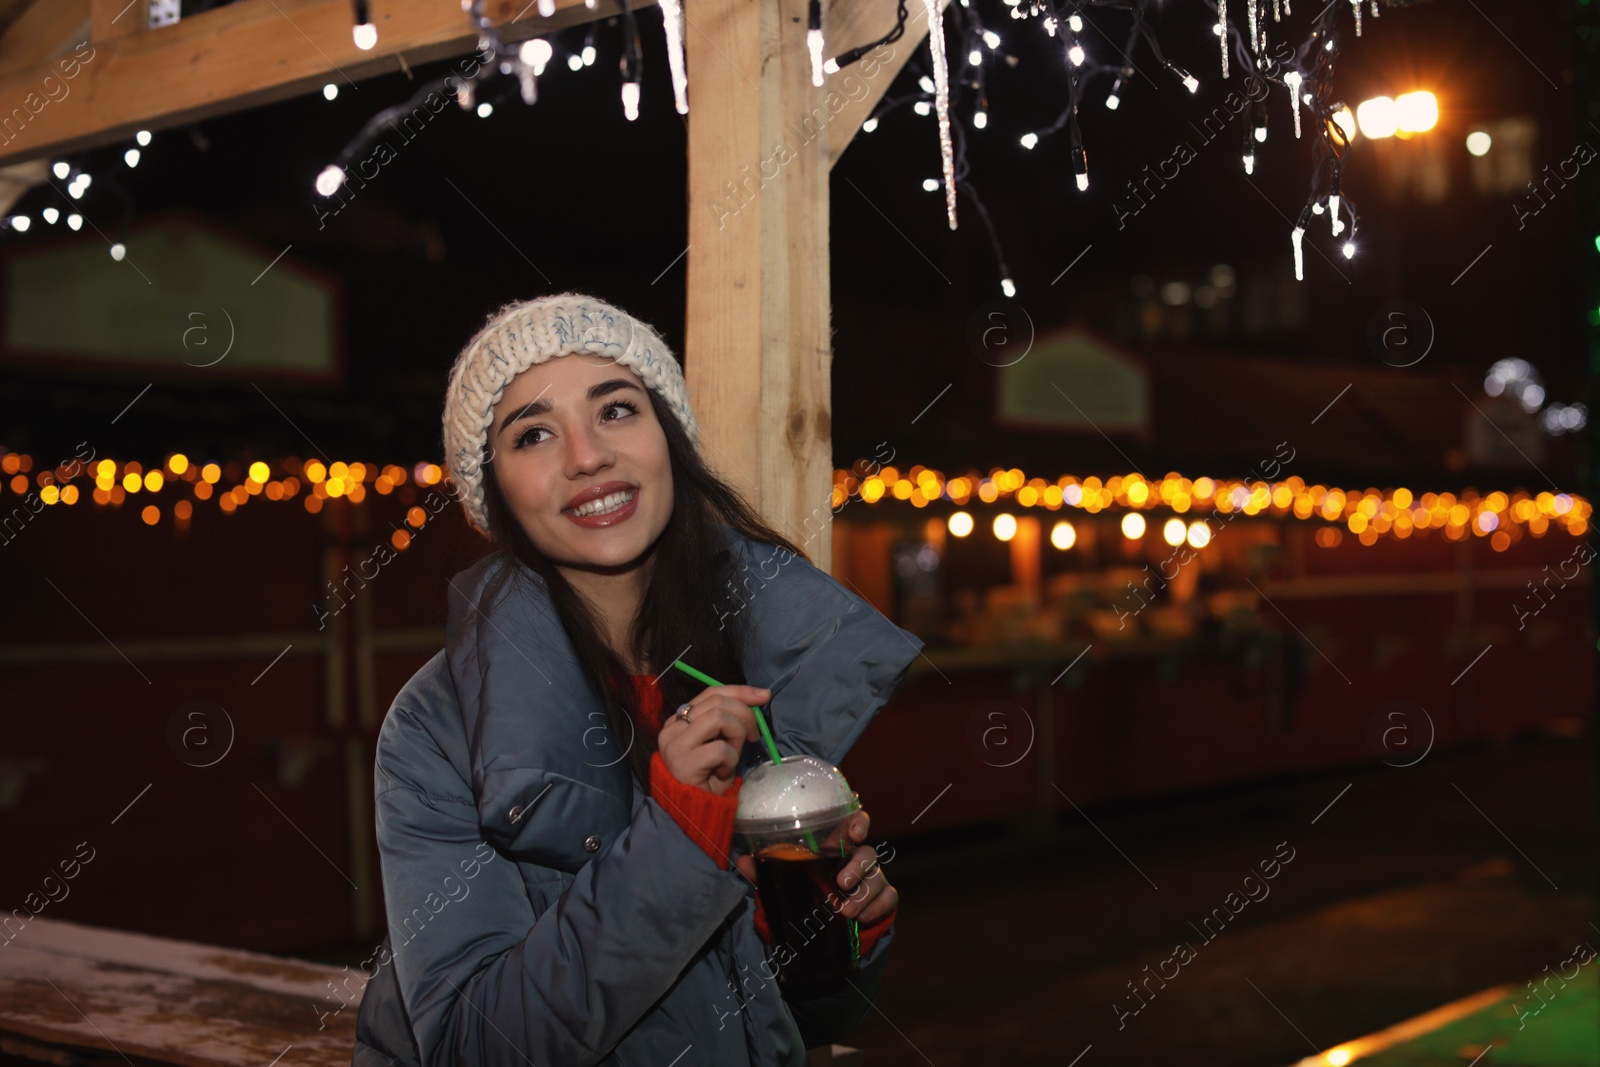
column 761, row 721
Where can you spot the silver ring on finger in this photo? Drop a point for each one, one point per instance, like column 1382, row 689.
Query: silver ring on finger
column 683, row 713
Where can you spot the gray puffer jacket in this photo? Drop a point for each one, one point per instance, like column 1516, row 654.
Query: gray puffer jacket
column 542, row 909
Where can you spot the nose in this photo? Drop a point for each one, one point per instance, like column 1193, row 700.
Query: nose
column 587, row 452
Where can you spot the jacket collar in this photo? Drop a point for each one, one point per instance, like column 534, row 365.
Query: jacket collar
column 541, row 751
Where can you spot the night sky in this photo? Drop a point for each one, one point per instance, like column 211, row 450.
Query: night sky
column 593, row 202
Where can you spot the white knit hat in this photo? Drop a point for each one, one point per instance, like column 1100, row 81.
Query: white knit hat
column 528, row 332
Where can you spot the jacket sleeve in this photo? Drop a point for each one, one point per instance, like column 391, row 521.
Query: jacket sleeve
column 485, row 980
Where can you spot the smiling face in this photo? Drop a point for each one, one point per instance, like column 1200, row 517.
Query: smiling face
column 569, row 427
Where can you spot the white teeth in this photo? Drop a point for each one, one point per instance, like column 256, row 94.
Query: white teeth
column 605, row 504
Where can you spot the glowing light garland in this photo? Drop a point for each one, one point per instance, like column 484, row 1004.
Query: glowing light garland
column 1368, row 514
column 178, row 485
column 1306, row 72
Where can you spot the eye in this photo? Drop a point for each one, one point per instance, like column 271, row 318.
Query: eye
column 620, row 404
column 523, row 437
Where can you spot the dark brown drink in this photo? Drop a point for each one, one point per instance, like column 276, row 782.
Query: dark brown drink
column 795, row 886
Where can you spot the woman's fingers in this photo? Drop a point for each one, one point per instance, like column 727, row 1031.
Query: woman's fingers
column 704, row 749
column 881, row 905
column 864, row 883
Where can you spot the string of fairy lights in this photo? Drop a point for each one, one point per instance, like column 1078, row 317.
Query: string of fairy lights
column 1260, row 49
column 1186, row 509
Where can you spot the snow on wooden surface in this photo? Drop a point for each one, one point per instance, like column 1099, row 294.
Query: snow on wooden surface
column 174, row 1002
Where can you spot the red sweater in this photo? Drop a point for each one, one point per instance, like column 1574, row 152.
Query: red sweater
column 708, row 818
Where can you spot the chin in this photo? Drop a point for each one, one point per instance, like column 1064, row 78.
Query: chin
column 611, row 549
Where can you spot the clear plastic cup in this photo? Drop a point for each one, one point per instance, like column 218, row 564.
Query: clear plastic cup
column 792, row 817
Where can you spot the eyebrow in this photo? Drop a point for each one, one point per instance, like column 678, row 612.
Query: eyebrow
column 537, row 406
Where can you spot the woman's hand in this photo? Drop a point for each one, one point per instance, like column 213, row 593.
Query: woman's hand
column 867, row 895
column 705, row 750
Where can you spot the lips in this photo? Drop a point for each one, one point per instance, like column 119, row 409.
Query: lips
column 596, row 492
column 623, row 504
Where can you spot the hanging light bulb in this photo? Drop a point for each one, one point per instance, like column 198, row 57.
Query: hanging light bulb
column 630, row 100
column 1008, row 287
column 672, row 16
column 365, row 33
column 62, row 169
column 870, row 125
column 1080, row 161
column 1075, row 22
column 74, row 221
column 1349, row 250
column 1336, row 224
column 1291, row 79
column 547, row 7
column 941, row 96
column 814, row 40
column 118, row 250
column 1222, row 32
column 980, row 119
column 1075, row 53
column 588, row 55
column 922, row 107
column 1249, row 162
column 926, row 83
column 1115, row 99
column 930, row 185
column 131, row 157
column 536, row 53
column 330, row 91
column 20, row 223
column 50, row 215
column 1190, row 82
column 1029, row 139
column 330, row 179
column 485, row 109
column 975, row 58
column 1050, row 25
column 991, row 38
column 574, row 62
column 143, row 137
column 1298, row 238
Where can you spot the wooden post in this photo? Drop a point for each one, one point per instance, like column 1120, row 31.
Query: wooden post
column 762, row 140
column 757, row 353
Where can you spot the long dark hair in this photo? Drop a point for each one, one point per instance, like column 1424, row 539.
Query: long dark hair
column 688, row 571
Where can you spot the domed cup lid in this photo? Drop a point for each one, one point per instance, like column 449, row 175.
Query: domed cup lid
column 800, row 793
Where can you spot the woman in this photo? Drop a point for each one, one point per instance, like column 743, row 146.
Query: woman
column 559, row 865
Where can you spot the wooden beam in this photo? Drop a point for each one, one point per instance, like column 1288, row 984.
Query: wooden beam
column 762, row 138
column 42, row 31
column 110, row 19
column 244, row 55
column 864, row 82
